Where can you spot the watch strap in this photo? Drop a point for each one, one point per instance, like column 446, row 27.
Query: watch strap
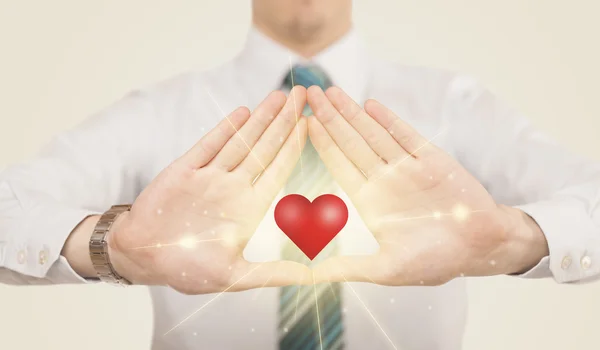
column 99, row 246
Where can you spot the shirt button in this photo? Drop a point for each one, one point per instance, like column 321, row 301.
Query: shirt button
column 43, row 257
column 586, row 262
column 21, row 257
column 566, row 262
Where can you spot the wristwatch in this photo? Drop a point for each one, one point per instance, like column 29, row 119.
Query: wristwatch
column 99, row 246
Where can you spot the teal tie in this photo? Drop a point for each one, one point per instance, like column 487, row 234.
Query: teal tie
column 303, row 325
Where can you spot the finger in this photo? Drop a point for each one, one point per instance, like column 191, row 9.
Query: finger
column 356, row 268
column 274, row 137
column 241, row 143
column 344, row 135
column 270, row 274
column 376, row 136
column 211, row 143
column 345, row 173
column 277, row 173
column 403, row 133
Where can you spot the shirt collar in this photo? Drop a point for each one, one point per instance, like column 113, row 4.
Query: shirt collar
column 266, row 62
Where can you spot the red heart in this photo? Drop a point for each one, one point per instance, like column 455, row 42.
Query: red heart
column 311, row 226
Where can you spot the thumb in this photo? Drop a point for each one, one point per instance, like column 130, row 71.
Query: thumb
column 250, row 275
column 356, row 268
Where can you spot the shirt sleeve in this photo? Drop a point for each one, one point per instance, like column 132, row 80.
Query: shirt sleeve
column 522, row 167
column 81, row 172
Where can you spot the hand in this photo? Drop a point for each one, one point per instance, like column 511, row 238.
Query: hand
column 432, row 219
column 189, row 227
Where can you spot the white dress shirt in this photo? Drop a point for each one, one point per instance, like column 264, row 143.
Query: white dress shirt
column 113, row 155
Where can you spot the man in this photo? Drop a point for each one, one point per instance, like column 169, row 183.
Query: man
column 500, row 198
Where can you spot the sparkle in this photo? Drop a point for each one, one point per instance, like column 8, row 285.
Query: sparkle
column 229, row 268
column 439, row 241
column 493, row 262
column 222, row 215
column 422, row 282
column 317, row 307
column 234, row 128
column 187, row 224
column 188, row 242
column 437, row 215
column 193, row 204
column 285, row 329
column 202, row 129
column 252, row 330
column 205, row 281
column 431, row 178
column 370, row 313
column 183, row 274
column 281, row 139
column 195, row 333
column 460, row 212
column 230, row 239
column 463, row 190
column 429, row 307
column 159, row 211
column 345, row 310
column 205, row 212
column 212, row 300
column 450, row 176
column 392, row 300
column 408, row 156
column 158, row 245
column 462, row 274
column 391, row 132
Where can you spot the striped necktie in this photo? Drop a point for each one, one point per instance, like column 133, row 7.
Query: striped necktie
column 310, row 317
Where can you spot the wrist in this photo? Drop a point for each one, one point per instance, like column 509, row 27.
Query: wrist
column 526, row 243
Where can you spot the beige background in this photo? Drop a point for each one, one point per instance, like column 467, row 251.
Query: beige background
column 61, row 60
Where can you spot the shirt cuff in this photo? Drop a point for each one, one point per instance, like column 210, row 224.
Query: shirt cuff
column 34, row 253
column 573, row 240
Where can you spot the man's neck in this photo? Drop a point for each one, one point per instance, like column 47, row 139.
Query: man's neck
column 306, row 48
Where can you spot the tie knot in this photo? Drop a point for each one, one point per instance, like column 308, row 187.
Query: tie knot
column 307, row 76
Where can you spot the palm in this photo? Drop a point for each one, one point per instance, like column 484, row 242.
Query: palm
column 421, row 205
column 198, row 214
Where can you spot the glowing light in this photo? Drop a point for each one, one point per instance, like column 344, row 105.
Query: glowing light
column 188, row 242
column 437, row 215
column 317, row 306
column 159, row 211
column 408, row 156
column 493, row 262
column 212, row 300
column 370, row 313
column 295, row 109
column 460, row 212
column 158, row 245
column 234, row 128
